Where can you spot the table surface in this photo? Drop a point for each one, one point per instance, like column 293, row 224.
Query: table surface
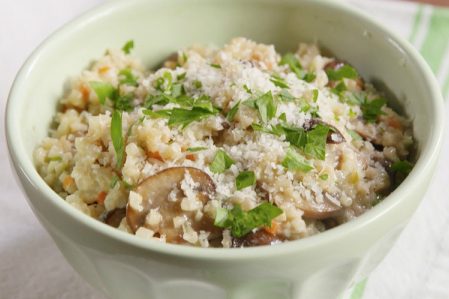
column 32, row 267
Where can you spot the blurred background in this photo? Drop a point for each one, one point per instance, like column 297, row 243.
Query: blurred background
column 32, row 267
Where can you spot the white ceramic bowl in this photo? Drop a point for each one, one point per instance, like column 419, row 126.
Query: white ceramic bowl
column 319, row 267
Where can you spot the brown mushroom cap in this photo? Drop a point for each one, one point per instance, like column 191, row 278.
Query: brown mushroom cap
column 114, row 217
column 155, row 192
column 259, row 238
column 320, row 210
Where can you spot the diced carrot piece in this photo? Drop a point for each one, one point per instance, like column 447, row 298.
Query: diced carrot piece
column 394, row 123
column 67, row 182
column 101, row 197
column 155, row 155
column 273, row 229
column 85, row 92
column 191, row 157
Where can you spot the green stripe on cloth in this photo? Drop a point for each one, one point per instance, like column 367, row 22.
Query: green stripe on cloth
column 416, row 23
column 359, row 289
column 435, row 44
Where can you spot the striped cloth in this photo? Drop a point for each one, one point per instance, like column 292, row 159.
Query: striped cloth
column 427, row 28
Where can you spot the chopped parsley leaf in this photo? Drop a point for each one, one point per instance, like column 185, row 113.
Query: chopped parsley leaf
column 316, row 142
column 127, row 77
column 283, row 117
column 115, row 179
column 221, row 162
column 265, row 104
column 217, row 66
column 241, row 223
column 123, row 103
column 103, row 90
column 231, row 113
column 278, row 81
column 247, row 89
column 309, row 77
column 285, row 96
column 197, row 84
column 346, row 71
column 354, row 135
column 294, row 161
column 294, row 64
column 372, row 109
column 128, row 46
column 402, row 166
column 245, row 179
column 324, row 176
column 117, row 137
column 157, row 114
column 181, row 77
column 196, row 149
column 315, row 94
column 339, row 89
column 183, row 117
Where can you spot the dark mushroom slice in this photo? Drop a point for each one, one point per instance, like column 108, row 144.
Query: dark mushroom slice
column 114, row 217
column 372, row 139
column 155, row 192
column 261, row 237
column 320, row 210
column 333, row 137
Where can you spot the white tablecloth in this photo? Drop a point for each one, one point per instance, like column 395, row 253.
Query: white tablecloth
column 32, row 267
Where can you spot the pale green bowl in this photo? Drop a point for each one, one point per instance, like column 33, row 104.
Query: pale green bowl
column 319, row 267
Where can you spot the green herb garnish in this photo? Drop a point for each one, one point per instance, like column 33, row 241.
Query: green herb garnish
column 372, row 109
column 345, row 71
column 181, row 77
column 241, row 223
column 231, row 114
column 324, row 176
column 265, row 104
column 402, row 166
column 247, row 89
column 245, row 179
column 183, row 117
column 293, row 63
column 285, row 96
column 316, row 142
column 197, row 84
column 278, row 81
column 128, row 46
column 294, row 161
column 309, row 77
column 354, row 135
column 315, row 94
column 196, row 149
column 117, row 137
column 217, row 66
column 103, row 90
column 127, row 77
column 221, row 162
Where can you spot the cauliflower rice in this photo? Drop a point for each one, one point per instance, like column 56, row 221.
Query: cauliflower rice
column 224, row 147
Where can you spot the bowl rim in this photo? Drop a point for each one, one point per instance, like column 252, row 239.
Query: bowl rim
column 26, row 170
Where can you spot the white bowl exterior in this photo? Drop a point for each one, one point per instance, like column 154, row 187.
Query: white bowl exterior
column 123, row 267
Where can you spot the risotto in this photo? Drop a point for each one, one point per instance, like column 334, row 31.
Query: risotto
column 224, row 147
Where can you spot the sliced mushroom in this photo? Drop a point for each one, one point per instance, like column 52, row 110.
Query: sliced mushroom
column 114, row 217
column 370, row 138
column 155, row 194
column 259, row 238
column 320, row 210
column 334, row 136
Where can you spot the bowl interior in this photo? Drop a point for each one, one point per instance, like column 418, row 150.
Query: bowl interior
column 161, row 27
